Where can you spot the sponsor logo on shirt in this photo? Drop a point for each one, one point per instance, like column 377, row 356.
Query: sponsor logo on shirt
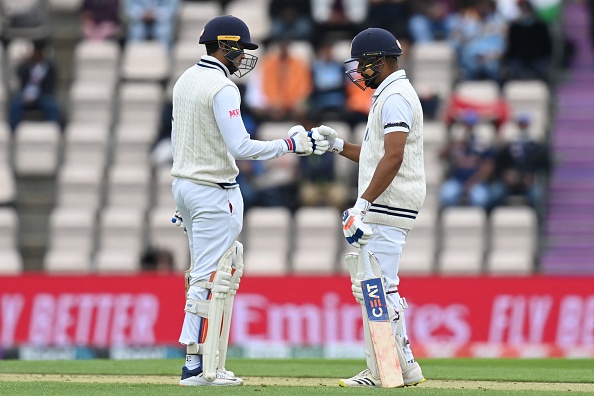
column 234, row 113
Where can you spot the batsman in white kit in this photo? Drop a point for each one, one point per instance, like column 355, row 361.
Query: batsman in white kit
column 208, row 135
column 391, row 191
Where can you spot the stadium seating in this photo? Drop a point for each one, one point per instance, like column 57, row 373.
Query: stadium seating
column 80, row 185
column 531, row 97
column 86, row 143
column 255, row 14
column 8, row 190
column 121, row 239
column 65, row 5
column 162, row 185
column 418, row 255
column 164, row 235
column 128, row 185
column 513, row 233
column 267, row 241
column 72, row 235
column 462, row 240
column 91, row 102
column 11, row 260
column 37, row 148
column 97, row 61
column 192, row 16
column 432, row 68
column 114, row 100
column 145, row 61
column 317, row 236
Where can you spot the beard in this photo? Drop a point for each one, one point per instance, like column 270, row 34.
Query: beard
column 371, row 83
column 232, row 67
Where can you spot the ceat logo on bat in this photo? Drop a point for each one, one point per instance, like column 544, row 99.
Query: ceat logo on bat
column 234, row 113
column 375, row 301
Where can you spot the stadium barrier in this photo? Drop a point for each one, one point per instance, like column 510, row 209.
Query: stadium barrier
column 140, row 316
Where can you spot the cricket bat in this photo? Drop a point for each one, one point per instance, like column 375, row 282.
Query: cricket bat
column 380, row 328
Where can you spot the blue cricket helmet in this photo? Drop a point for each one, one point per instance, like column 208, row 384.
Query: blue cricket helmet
column 227, row 28
column 370, row 49
column 374, row 42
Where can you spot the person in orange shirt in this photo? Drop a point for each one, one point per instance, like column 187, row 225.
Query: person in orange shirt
column 284, row 85
column 358, row 104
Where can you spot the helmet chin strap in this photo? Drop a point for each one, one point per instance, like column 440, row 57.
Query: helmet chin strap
column 231, row 51
column 370, row 74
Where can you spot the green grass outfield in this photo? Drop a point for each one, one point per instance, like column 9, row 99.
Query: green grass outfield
column 295, row 377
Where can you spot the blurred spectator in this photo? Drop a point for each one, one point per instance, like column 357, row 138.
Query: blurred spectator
column 100, row 19
column 318, row 185
column 290, row 18
column 341, row 18
column 521, row 167
column 161, row 151
column 358, row 104
column 249, row 170
column 496, row 110
column 37, row 86
column 280, row 88
column 529, row 45
column 276, row 183
column 470, row 164
column 430, row 102
column 431, row 21
column 328, row 97
column 157, row 260
column 508, row 9
column 478, row 37
column 151, row 20
column 392, row 15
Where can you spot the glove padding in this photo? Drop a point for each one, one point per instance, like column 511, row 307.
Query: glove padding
column 320, row 144
column 299, row 141
column 355, row 231
column 178, row 221
column 335, row 143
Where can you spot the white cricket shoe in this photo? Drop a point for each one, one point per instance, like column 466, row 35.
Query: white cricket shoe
column 411, row 376
column 363, row 379
column 196, row 378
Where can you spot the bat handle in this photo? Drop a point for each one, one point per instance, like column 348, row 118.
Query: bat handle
column 367, row 271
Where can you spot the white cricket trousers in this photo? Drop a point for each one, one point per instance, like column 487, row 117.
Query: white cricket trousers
column 386, row 244
column 213, row 218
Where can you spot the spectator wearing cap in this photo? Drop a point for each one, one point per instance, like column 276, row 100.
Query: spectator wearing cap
column 470, row 166
column 521, row 167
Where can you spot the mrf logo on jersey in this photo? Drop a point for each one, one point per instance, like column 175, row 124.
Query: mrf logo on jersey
column 234, row 113
column 375, row 300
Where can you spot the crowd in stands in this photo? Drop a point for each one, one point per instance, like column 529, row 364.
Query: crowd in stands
column 300, row 79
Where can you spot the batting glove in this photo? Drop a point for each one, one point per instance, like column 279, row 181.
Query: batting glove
column 320, row 143
column 355, row 231
column 178, row 221
column 335, row 143
column 299, row 142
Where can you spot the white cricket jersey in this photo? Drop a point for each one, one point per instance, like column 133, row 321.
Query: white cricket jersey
column 208, row 133
column 396, row 109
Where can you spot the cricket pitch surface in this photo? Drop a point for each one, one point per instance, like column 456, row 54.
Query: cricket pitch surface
column 285, row 381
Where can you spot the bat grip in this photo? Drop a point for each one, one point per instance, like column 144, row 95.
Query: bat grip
column 367, row 271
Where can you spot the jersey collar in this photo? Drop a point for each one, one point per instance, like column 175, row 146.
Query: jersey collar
column 397, row 75
column 210, row 62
